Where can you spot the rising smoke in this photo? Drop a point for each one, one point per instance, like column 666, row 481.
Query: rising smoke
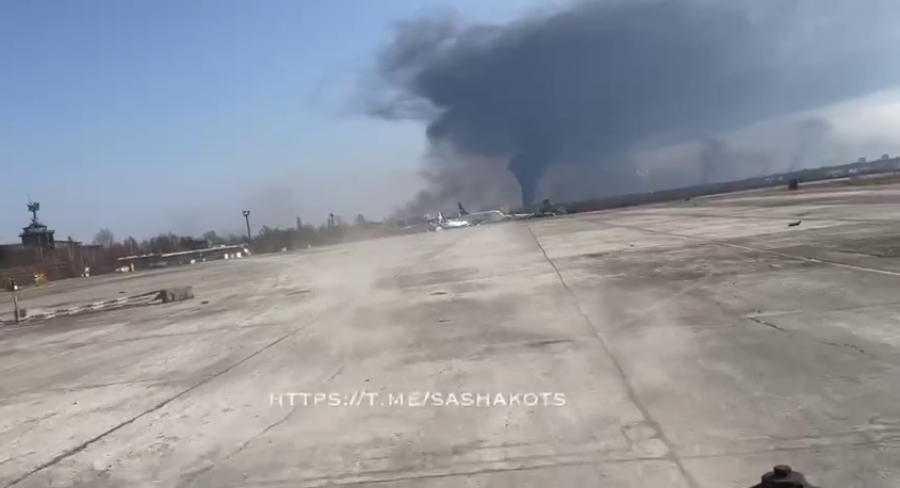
column 591, row 85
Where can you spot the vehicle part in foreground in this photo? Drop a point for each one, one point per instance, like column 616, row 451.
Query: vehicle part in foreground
column 782, row 476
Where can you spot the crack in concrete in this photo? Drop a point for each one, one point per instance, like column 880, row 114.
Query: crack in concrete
column 759, row 250
column 844, row 344
column 671, row 453
column 13, row 458
column 69, row 346
column 780, row 313
column 84, row 445
column 792, row 334
column 384, row 477
column 754, row 217
column 769, row 324
column 774, row 253
column 395, row 476
column 192, row 478
column 151, row 382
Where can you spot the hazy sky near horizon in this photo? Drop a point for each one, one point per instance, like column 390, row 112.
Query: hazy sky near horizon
column 170, row 115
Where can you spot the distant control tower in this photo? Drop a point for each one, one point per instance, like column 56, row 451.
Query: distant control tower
column 37, row 234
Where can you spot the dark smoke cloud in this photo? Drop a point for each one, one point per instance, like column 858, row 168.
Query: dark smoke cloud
column 592, row 84
column 486, row 182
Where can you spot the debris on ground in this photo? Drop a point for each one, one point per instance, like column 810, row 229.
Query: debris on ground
column 176, row 294
column 794, row 224
column 298, row 292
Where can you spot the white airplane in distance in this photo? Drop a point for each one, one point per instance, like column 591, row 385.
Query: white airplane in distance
column 468, row 219
column 444, row 223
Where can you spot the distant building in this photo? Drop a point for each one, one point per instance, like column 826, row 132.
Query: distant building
column 161, row 260
column 39, row 253
column 37, row 234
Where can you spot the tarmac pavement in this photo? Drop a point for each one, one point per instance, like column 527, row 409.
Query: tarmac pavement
column 688, row 345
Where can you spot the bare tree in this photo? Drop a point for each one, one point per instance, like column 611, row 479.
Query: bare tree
column 105, row 238
column 212, row 238
column 131, row 244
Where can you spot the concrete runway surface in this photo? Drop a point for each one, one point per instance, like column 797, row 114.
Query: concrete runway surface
column 691, row 345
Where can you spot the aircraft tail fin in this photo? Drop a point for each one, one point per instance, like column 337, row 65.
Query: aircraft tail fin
column 462, row 210
column 440, row 217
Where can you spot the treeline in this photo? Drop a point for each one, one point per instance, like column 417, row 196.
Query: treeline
column 267, row 239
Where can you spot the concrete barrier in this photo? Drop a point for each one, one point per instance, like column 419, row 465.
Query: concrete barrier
column 165, row 296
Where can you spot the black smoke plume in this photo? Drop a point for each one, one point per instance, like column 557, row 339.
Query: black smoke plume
column 590, row 84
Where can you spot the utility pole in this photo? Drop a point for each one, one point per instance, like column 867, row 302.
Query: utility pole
column 247, row 219
column 14, row 288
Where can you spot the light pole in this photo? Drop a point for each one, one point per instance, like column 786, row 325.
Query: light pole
column 247, row 219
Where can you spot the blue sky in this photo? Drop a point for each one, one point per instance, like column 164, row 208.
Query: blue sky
column 158, row 115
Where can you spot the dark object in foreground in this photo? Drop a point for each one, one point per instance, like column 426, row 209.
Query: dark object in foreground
column 783, row 476
column 176, row 294
column 794, row 224
column 793, row 184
